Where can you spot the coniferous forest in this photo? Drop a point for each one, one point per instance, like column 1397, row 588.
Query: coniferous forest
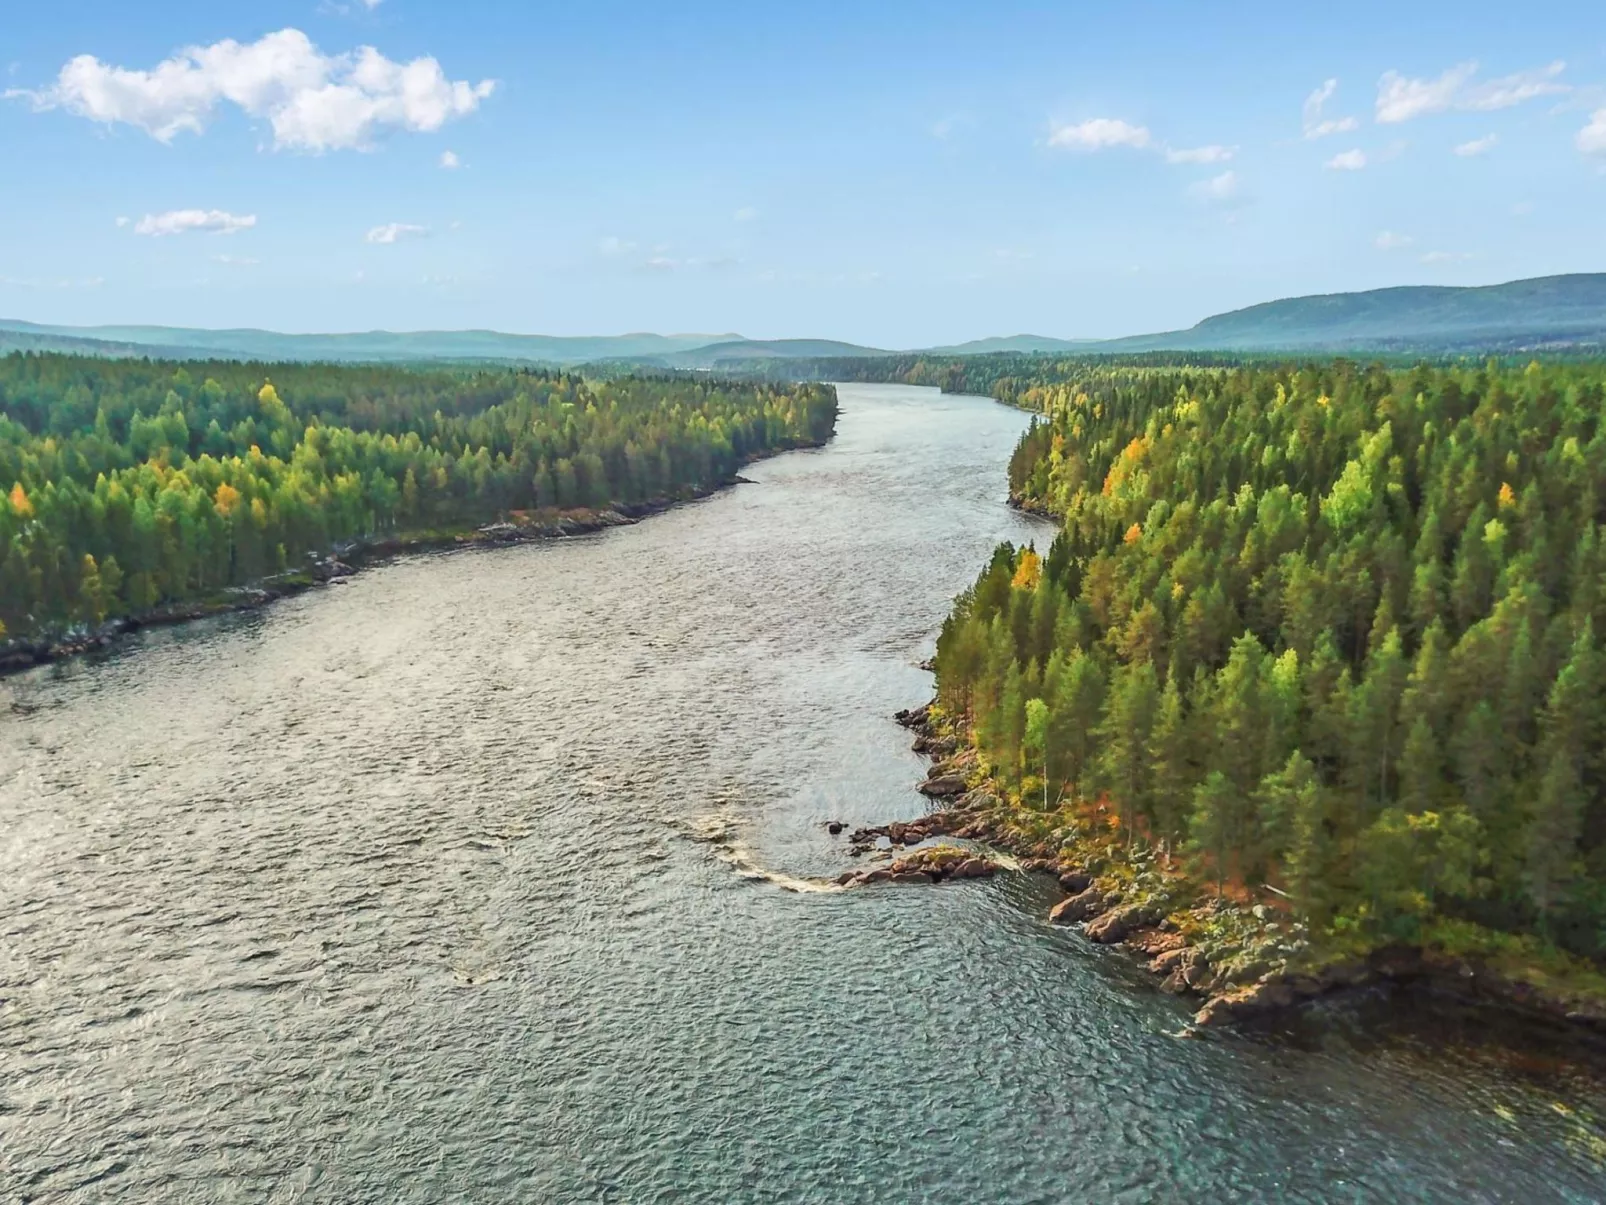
column 1328, row 636
column 129, row 484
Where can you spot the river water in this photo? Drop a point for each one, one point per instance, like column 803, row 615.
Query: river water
column 487, row 876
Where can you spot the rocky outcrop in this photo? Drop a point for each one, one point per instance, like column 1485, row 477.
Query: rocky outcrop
column 1088, row 903
column 943, row 786
column 905, row 832
column 935, row 864
column 1118, row 923
column 913, row 717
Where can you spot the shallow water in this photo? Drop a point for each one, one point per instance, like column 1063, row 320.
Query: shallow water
column 467, row 880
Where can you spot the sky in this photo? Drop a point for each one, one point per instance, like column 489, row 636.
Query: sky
column 893, row 174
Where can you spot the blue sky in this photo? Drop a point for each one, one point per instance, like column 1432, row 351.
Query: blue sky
column 896, row 174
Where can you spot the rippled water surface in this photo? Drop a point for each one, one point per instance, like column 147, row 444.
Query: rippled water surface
column 443, row 885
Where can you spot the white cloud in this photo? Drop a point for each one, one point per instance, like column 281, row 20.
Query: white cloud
column 1400, row 98
column 236, row 261
column 1218, row 190
column 314, row 101
column 1099, row 134
column 1592, row 138
column 182, row 221
column 1478, row 146
column 1446, row 257
column 1511, row 90
column 394, row 232
column 661, row 263
column 1313, row 122
column 613, row 245
column 1387, row 240
column 1348, row 161
column 1201, row 154
column 745, row 214
column 370, row 5
column 450, row 161
column 121, row 222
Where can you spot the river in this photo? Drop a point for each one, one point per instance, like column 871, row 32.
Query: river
column 488, row 876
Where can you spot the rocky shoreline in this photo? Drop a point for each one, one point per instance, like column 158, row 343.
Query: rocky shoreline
column 343, row 561
column 1264, row 967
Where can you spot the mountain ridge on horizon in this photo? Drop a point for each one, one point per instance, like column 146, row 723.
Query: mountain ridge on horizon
column 1567, row 309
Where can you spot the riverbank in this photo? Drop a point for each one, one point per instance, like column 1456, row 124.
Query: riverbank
column 1240, row 959
column 342, row 561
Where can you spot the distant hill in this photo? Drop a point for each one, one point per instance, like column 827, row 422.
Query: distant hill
column 1549, row 309
column 1020, row 344
column 250, row 344
column 746, row 351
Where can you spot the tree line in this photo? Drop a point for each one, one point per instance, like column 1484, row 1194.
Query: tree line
column 128, row 484
column 1330, row 631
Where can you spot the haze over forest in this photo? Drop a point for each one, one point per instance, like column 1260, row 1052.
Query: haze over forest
column 978, row 183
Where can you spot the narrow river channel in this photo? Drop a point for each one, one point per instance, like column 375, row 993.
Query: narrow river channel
column 468, row 880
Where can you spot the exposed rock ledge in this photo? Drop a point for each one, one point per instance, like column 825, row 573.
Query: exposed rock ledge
column 933, row 864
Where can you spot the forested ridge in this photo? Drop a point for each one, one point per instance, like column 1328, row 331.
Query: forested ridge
column 128, row 484
column 1330, row 635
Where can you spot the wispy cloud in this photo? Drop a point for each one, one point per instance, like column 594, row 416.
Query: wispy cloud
column 186, row 221
column 1098, row 134
column 1200, row 154
column 1388, row 240
column 313, row 101
column 450, row 161
column 1400, row 98
column 236, row 261
column 614, row 245
column 1478, row 146
column 745, row 214
column 1315, row 123
column 1510, row 90
column 395, row 232
column 1347, row 161
column 1106, row 133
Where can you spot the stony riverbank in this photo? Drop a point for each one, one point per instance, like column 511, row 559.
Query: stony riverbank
column 1237, row 960
column 342, row 562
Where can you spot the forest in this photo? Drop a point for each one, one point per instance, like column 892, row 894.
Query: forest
column 128, row 484
column 1327, row 634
